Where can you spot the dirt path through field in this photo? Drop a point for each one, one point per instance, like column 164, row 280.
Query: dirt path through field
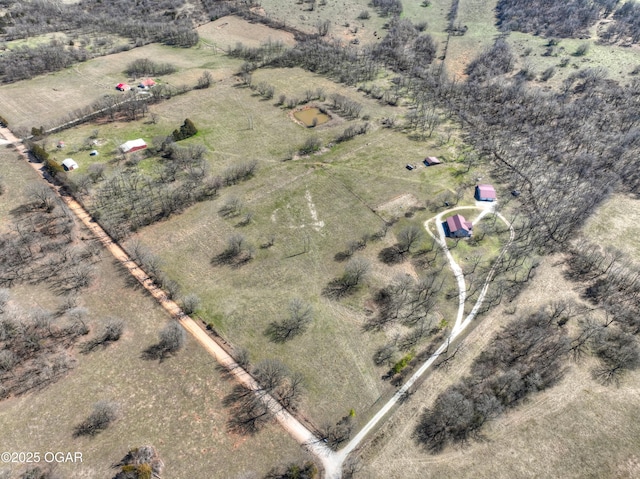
column 331, row 461
column 294, row 427
column 457, row 329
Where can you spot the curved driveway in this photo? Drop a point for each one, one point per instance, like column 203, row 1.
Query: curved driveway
column 331, row 461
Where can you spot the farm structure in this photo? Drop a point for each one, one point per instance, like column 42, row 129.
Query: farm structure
column 431, row 161
column 133, row 145
column 457, row 226
column 146, row 83
column 69, row 164
column 123, row 87
column 485, row 193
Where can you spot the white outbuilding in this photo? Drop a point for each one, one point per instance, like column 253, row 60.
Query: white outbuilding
column 69, row 164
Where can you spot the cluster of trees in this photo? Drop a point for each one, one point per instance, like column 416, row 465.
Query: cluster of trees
column 126, row 199
column 141, row 22
column 612, row 284
column 258, row 56
column 38, row 247
column 308, row 470
column 140, row 463
column 344, row 64
column 147, row 67
column 523, row 358
column 387, row 8
column 349, row 108
column 34, row 345
column 626, row 25
column 251, row 410
column 571, row 18
column 186, row 130
column 23, row 62
column 405, row 47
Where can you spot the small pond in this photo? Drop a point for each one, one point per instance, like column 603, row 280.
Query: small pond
column 308, row 115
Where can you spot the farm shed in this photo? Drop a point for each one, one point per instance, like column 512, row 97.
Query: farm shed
column 69, row 164
column 123, row 87
column 485, row 193
column 146, row 83
column 133, row 145
column 458, row 227
column 431, row 160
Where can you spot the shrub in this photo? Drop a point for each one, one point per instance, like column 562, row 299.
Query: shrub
column 40, row 153
column 403, row 363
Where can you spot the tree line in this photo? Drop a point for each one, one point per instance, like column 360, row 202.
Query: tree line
column 141, row 23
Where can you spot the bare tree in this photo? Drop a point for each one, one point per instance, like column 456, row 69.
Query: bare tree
column 172, row 338
column 190, row 303
column 103, row 414
column 408, row 237
column 300, row 316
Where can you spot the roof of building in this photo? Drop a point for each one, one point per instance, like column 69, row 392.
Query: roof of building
column 458, row 222
column 147, row 82
column 133, row 145
column 123, row 86
column 431, row 160
column 70, row 164
column 486, row 191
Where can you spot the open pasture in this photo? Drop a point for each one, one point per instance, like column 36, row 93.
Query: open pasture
column 174, row 405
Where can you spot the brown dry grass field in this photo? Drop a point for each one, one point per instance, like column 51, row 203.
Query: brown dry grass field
column 617, row 224
column 576, row 429
column 226, row 32
column 175, row 405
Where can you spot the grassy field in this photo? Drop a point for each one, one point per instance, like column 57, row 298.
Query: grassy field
column 479, row 17
column 49, row 98
column 316, row 204
column 616, row 224
column 576, row 429
column 175, row 405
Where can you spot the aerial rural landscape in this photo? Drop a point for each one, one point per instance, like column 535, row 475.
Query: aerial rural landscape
column 319, row 239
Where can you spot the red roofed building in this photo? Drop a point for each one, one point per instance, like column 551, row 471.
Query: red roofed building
column 123, row 87
column 147, row 82
column 458, row 227
column 133, row 145
column 485, row 193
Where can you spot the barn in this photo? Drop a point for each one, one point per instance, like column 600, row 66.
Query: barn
column 485, row 193
column 69, row 164
column 133, row 145
column 457, row 226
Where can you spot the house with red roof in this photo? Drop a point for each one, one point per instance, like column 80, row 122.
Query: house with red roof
column 123, row 87
column 457, row 226
column 485, row 193
column 146, row 83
